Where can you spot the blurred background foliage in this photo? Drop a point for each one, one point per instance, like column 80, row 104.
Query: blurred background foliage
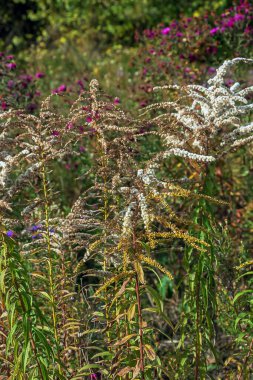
column 105, row 22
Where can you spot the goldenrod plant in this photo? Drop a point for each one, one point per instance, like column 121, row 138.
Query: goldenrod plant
column 125, row 281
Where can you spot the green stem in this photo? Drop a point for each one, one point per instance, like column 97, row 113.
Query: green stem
column 137, row 291
column 49, row 260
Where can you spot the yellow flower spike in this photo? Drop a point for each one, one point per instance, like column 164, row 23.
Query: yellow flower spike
column 125, row 260
column 155, row 264
column 243, row 265
column 112, row 280
column 94, row 245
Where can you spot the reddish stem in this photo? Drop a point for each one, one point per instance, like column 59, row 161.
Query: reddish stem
column 137, row 290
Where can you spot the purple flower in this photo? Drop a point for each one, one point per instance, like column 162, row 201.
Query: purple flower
column 3, row 106
column 238, row 17
column 26, row 78
column 10, row 84
column 149, row 33
column 116, row 101
column 10, row 233
column 9, row 57
column 93, row 376
column 39, row 75
column 179, row 34
column 214, row 30
column 11, row 65
column 56, row 133
column 37, row 236
column 62, row 88
column 80, row 83
column 31, row 107
column 211, row 70
column 165, row 31
column 70, row 125
column 35, row 227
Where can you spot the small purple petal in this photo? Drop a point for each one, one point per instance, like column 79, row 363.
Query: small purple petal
column 165, row 31
column 62, row 88
column 39, row 75
column 11, row 65
column 116, row 101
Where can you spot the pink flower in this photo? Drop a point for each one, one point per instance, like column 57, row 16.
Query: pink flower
column 4, row 106
column 70, row 125
column 93, row 376
column 11, row 65
column 39, row 75
column 116, row 101
column 165, row 31
column 88, row 119
column 238, row 17
column 211, row 70
column 62, row 88
column 80, row 83
column 214, row 30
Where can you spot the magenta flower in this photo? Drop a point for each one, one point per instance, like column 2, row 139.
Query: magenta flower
column 230, row 23
column 3, row 106
column 93, row 376
column 238, row 17
column 70, row 125
column 11, row 65
column 88, row 119
column 80, row 83
column 56, row 133
column 39, row 75
column 10, row 84
column 116, row 101
column 165, row 31
column 211, row 70
column 214, row 30
column 62, row 88
column 31, row 107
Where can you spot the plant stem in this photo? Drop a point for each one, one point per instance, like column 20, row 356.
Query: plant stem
column 30, row 333
column 197, row 359
column 49, row 259
column 137, row 291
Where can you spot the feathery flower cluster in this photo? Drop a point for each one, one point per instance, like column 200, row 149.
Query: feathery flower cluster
column 205, row 122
